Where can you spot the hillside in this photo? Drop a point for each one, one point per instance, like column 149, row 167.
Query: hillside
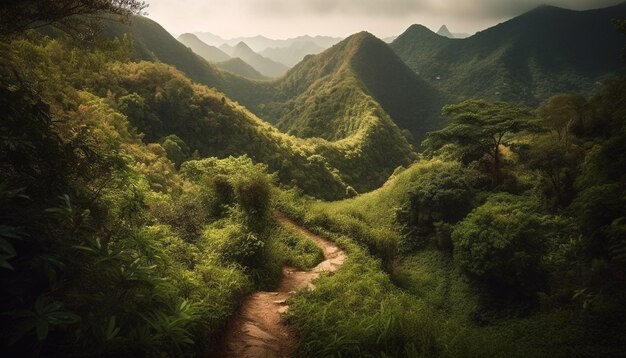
column 208, row 52
column 293, row 53
column 240, row 67
column 543, row 52
column 264, row 65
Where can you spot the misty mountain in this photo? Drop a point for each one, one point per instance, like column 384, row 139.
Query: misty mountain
column 240, row 67
column 293, row 53
column 261, row 43
column 527, row 59
column 264, row 65
column 208, row 52
column 443, row 31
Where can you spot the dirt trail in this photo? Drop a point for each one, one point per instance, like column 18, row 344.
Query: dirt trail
column 257, row 330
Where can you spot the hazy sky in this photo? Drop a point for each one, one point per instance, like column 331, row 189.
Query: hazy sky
column 289, row 18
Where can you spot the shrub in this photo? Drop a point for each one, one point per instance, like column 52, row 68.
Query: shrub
column 233, row 244
column 501, row 244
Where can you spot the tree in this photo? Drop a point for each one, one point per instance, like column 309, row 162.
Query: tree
column 17, row 16
column 559, row 114
column 479, row 128
column 441, row 194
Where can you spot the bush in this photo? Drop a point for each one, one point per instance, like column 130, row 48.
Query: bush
column 233, row 244
column 501, row 244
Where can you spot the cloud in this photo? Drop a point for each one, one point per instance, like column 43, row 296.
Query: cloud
column 395, row 8
column 349, row 7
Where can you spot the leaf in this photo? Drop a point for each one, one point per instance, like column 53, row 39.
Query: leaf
column 42, row 330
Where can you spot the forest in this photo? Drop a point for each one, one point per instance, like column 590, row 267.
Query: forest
column 143, row 198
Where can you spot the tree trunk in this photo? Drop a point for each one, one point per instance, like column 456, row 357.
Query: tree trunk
column 495, row 168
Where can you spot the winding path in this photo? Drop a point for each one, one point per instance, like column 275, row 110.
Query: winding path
column 257, row 330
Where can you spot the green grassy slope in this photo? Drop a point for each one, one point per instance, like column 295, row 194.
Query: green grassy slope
column 545, row 51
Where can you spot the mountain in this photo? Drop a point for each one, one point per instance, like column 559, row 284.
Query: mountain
column 264, row 65
column 240, row 67
column 527, row 59
column 210, row 39
column 335, row 94
column 443, row 31
column 208, row 52
column 261, row 43
column 293, row 53
column 390, row 39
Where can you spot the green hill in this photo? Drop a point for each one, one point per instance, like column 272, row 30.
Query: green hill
column 208, row 52
column 527, row 59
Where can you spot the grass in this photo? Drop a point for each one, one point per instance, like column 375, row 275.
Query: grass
column 383, row 304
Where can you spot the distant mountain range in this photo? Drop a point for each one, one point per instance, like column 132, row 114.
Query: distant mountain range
column 260, row 43
column 208, row 52
column 293, row 53
column 264, row 65
column 240, row 60
column 527, row 59
column 287, row 51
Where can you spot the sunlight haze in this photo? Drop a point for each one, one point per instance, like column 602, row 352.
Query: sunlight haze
column 285, row 18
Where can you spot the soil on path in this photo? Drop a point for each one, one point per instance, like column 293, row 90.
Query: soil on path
column 257, row 329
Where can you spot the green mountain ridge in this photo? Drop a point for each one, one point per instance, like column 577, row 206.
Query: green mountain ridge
column 526, row 59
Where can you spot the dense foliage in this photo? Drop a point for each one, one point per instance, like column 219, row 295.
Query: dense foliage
column 106, row 248
column 539, row 253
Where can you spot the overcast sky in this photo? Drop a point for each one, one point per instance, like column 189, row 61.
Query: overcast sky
column 289, row 18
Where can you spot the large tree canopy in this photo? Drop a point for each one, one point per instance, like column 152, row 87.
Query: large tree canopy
column 479, row 128
column 19, row 15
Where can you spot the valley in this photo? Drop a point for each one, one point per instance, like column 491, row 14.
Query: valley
column 430, row 194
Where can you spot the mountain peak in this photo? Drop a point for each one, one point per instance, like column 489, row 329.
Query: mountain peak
column 188, row 35
column 360, row 36
column 243, row 46
column 443, row 31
